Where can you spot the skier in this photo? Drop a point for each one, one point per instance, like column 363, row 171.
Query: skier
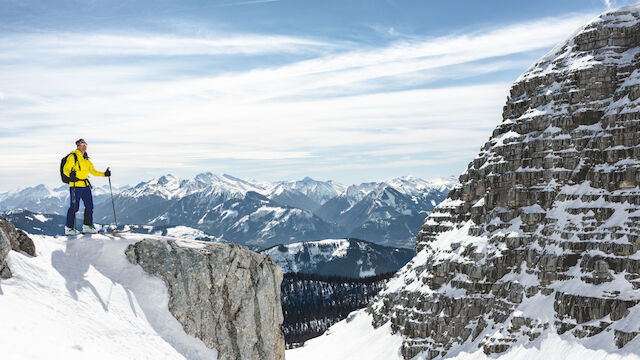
column 78, row 167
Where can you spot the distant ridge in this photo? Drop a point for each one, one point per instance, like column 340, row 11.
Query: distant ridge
column 341, row 257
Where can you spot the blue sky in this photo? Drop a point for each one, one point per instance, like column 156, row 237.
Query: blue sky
column 346, row 90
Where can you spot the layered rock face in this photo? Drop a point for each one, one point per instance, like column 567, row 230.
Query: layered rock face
column 12, row 239
column 225, row 295
column 542, row 232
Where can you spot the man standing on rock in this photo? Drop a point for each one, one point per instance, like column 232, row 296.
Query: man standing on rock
column 77, row 168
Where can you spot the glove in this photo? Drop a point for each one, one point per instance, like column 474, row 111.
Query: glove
column 73, row 177
column 107, row 173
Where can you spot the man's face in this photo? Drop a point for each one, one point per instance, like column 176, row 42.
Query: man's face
column 82, row 147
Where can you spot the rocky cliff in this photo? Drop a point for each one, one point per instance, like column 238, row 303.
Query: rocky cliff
column 12, row 239
column 542, row 232
column 225, row 295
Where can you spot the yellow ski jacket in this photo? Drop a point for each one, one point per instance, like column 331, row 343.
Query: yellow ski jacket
column 83, row 168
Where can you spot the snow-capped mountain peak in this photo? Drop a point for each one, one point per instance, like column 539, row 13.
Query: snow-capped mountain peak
column 166, row 186
column 170, row 187
column 414, row 185
column 355, row 193
column 318, row 191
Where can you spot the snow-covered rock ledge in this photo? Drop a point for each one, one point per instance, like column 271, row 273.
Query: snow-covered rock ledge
column 225, row 295
column 12, row 239
column 81, row 298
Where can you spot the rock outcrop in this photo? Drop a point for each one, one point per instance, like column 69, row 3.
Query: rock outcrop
column 12, row 239
column 225, row 295
column 542, row 233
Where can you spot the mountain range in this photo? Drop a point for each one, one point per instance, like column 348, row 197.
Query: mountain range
column 259, row 214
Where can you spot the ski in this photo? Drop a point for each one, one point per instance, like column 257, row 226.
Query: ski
column 113, row 232
column 116, row 232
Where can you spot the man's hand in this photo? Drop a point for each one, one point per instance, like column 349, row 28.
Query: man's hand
column 107, row 173
column 73, row 177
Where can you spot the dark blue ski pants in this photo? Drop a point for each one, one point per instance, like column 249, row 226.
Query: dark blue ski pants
column 75, row 194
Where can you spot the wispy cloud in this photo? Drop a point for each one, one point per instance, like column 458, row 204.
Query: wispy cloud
column 29, row 46
column 318, row 104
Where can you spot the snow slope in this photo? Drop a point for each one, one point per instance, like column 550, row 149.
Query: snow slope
column 351, row 339
column 80, row 298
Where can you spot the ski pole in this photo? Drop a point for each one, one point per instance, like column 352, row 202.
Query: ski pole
column 73, row 205
column 113, row 205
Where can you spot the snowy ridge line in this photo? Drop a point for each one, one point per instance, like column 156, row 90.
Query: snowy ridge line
column 170, row 187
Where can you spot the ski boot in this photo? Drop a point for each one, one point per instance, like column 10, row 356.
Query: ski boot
column 89, row 229
column 69, row 231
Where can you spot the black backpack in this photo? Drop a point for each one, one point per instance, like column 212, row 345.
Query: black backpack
column 65, row 178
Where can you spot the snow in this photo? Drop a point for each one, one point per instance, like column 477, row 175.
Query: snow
column 579, row 287
column 170, row 187
column 532, row 209
column 79, row 298
column 341, row 250
column 549, row 346
column 563, row 52
column 41, row 217
column 417, row 186
column 369, row 272
column 479, row 203
column 229, row 213
column 184, row 231
column 630, row 322
column 318, row 191
column 500, row 139
column 353, row 338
